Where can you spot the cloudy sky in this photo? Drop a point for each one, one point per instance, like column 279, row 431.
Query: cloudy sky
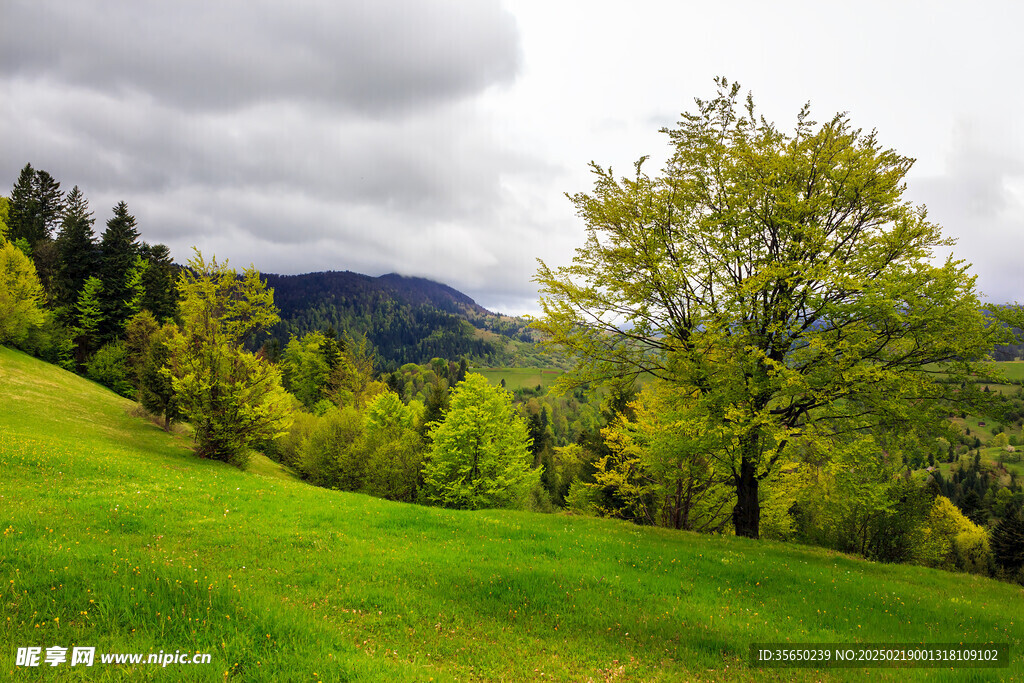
column 438, row 137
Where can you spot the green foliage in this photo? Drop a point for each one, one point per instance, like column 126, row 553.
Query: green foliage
column 659, row 470
column 479, row 455
column 35, row 206
column 77, row 248
column 88, row 318
column 159, row 282
column 305, row 368
column 333, row 455
column 1007, row 542
column 21, row 297
column 394, row 450
column 5, row 208
column 953, row 542
column 780, row 279
column 109, row 367
column 119, row 272
column 156, row 387
column 232, row 397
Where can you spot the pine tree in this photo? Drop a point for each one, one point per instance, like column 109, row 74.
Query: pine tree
column 76, row 246
column 118, row 251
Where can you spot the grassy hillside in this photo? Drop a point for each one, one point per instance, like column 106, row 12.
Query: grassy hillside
column 115, row 537
column 521, row 378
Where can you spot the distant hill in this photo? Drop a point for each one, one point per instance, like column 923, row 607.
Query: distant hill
column 407, row 319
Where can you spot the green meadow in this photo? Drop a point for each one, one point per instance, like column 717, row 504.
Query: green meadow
column 116, row 537
column 521, row 378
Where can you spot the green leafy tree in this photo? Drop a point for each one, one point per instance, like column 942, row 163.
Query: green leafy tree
column 156, row 387
column 5, row 210
column 109, row 367
column 232, row 397
column 394, row 448
column 306, row 369
column 479, row 456
column 21, row 296
column 334, row 453
column 781, row 279
column 659, row 471
column 951, row 541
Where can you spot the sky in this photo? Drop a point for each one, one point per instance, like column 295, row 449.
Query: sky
column 438, row 138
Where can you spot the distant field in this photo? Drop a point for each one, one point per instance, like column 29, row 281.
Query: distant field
column 1014, row 369
column 115, row 536
column 519, row 378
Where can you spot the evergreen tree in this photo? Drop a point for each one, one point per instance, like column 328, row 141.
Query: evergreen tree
column 160, row 282
column 1008, row 541
column 23, row 205
column 36, row 204
column 77, row 248
column 118, row 251
column 88, row 319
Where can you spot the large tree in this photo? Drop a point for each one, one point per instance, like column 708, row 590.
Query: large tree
column 119, row 271
column 778, row 280
column 479, row 455
column 232, row 397
column 36, row 205
column 77, row 248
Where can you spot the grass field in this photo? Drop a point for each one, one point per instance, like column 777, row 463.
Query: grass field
column 1013, row 369
column 116, row 537
column 520, row 378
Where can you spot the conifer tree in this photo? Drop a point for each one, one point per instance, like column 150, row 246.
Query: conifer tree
column 36, row 204
column 160, row 282
column 118, row 252
column 88, row 319
column 76, row 246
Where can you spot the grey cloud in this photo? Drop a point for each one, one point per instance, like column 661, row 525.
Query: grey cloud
column 979, row 200
column 370, row 57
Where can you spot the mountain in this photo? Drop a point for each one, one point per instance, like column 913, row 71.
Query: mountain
column 407, row 319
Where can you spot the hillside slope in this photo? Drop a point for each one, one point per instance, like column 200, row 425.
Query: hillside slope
column 407, row 319
column 116, row 537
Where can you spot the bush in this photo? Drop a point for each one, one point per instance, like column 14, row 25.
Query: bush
column 333, row 455
column 953, row 542
column 109, row 367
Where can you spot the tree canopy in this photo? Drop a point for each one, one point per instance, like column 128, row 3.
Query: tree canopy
column 232, row 397
column 479, row 456
column 778, row 281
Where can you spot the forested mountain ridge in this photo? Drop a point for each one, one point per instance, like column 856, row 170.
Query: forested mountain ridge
column 407, row 319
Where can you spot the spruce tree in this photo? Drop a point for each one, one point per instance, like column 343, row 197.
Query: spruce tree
column 118, row 251
column 88, row 319
column 1007, row 541
column 76, row 246
column 160, row 282
column 23, row 205
column 36, row 204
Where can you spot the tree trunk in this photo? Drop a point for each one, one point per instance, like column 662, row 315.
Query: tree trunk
column 746, row 516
